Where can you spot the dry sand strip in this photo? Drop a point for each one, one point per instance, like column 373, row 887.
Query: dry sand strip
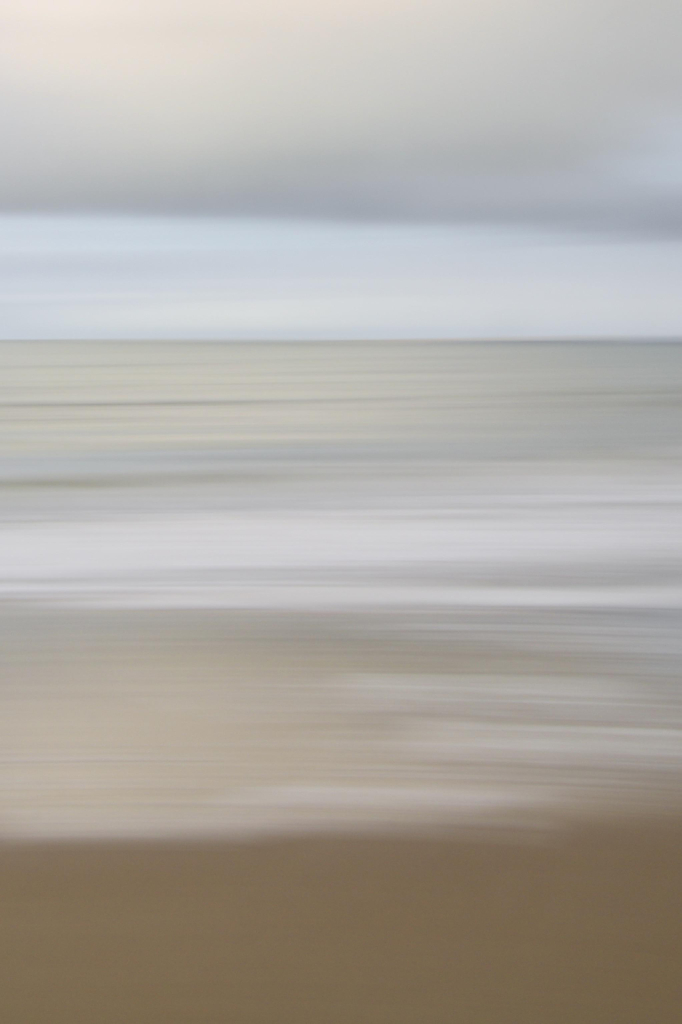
column 577, row 927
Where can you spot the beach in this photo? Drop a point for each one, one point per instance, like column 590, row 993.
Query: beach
column 340, row 683
column 488, row 929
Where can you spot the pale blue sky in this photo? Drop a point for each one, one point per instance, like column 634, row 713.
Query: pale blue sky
column 155, row 277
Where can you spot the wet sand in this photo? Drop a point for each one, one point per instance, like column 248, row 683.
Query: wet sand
column 578, row 926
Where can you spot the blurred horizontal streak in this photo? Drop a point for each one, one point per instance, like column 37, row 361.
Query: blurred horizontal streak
column 259, row 587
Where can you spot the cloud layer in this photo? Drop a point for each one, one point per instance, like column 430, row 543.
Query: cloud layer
column 498, row 110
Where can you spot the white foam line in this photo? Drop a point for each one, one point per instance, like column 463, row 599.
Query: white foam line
column 182, row 544
column 273, row 810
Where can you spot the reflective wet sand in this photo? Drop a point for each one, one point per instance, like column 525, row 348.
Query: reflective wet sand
column 218, row 721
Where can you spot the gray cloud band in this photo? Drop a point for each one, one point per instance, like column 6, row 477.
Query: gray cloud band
column 531, row 111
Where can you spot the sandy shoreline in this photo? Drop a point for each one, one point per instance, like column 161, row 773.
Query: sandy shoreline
column 144, row 723
column 578, row 925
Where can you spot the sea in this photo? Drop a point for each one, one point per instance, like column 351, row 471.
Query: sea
column 253, row 587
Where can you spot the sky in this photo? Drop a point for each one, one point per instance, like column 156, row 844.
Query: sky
column 440, row 142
